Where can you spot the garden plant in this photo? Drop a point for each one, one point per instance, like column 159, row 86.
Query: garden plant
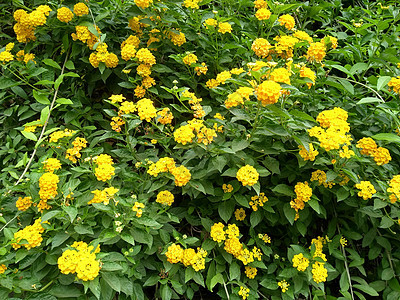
column 199, row 149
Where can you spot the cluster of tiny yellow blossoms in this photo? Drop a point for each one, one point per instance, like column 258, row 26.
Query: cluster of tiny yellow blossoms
column 166, row 164
column 263, row 14
column 394, row 189
column 194, row 104
column 178, row 39
column 3, row 268
column 316, row 52
column 201, row 69
column 137, row 208
column 257, row 201
column 244, row 292
column 83, row 34
column 146, row 109
column 265, row 237
column 6, row 56
column 218, row 232
column 25, row 57
column 105, row 169
column 300, row 262
column 319, row 272
column 101, row 55
column 283, row 285
column 268, row 92
column 189, row 257
column 32, row 234
column 334, row 129
column 23, row 203
column 165, row 116
column 80, row 9
column 240, row 214
column 51, row 164
column 64, row 14
column 321, row 177
column 367, row 190
column 75, row 152
column 309, row 154
column 368, row 146
column 194, row 4
column 228, row 188
column 319, row 245
column 80, row 260
column 185, row 134
column 103, row 196
column 250, row 272
column 308, row 73
column 394, row 84
column 143, row 3
column 48, row 189
column 165, row 197
column 189, row 59
column 287, row 21
column 55, row 136
column 303, row 194
column 116, row 123
column 247, row 175
column 261, row 47
column 27, row 23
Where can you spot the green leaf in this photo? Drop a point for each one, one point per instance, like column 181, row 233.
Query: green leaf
column 368, row 100
column 51, row 63
column 238, row 145
column 234, row 271
column 64, row 101
column 41, row 97
column 44, row 114
column 29, row 135
column 366, row 289
column 389, row 137
column 112, row 280
column 49, row 215
column 289, row 212
column 382, row 82
column 71, row 211
column 283, row 189
column 225, row 210
column 347, row 85
column 314, row 205
column 218, row 278
column 255, row 218
column 166, row 292
column 387, row 274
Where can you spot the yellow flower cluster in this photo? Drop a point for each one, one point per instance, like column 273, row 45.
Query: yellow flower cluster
column 308, row 155
column 394, row 84
column 48, row 186
column 55, row 136
column 146, row 109
column 64, row 14
column 138, row 209
column 320, row 176
column 194, row 103
column 201, row 69
column 308, row 73
column 319, row 245
column 178, row 39
column 268, row 92
column 189, row 257
column 32, row 234
column 73, row 153
column 367, row 190
column 224, row 27
column 281, row 75
column 103, row 196
column 23, row 203
column 185, row 134
column 244, row 292
column 32, row 128
column 218, row 232
column 165, row 197
column 369, row 147
column 250, row 272
column 190, row 59
column 116, row 123
column 283, row 285
column 51, row 164
column 165, row 116
column 394, row 189
column 263, row 14
column 80, row 9
column 261, row 47
column 25, row 57
column 316, row 52
column 228, row 188
column 6, row 56
column 3, row 268
column 287, row 21
column 247, row 175
column 83, row 34
column 265, row 237
column 27, row 23
column 240, row 214
column 334, row 129
column 303, row 194
column 257, row 201
column 105, row 169
column 102, row 55
column 194, row 4
column 143, row 3
column 300, row 262
column 182, row 174
column 319, row 272
column 302, row 35
column 80, row 260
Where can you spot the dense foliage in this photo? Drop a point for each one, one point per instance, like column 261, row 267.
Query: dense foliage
column 204, row 149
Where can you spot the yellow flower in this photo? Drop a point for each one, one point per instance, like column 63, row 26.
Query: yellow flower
column 146, row 109
column 316, row 52
column 174, row 254
column 367, row 190
column 320, row 273
column 240, row 214
column 3, row 268
column 210, row 22
column 165, row 197
column 143, row 3
column 343, row 241
column 247, row 175
column 48, row 186
column 268, row 92
column 300, row 262
column 394, row 84
column 261, row 47
column 145, row 56
column 308, row 155
column 184, row 135
column 224, row 27
column 64, row 14
column 217, row 232
column 51, row 164
column 190, row 59
column 81, row 9
column 280, row 75
column 182, row 175
column 244, row 292
column 128, row 52
column 283, row 285
column 263, row 14
column 23, row 203
column 308, row 73
column 287, row 21
column 250, row 272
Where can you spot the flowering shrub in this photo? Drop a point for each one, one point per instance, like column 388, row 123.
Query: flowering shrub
column 180, row 150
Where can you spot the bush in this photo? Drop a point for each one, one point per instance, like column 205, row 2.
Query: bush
column 184, row 150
